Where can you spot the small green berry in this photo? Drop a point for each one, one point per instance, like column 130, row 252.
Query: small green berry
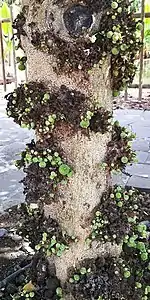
column 76, row 277
column 83, row 271
column 115, row 51
column 127, row 274
column 138, row 285
column 114, row 5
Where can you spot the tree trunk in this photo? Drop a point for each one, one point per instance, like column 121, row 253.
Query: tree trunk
column 84, row 152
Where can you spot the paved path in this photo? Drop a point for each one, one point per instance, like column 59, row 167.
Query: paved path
column 139, row 122
column 13, row 140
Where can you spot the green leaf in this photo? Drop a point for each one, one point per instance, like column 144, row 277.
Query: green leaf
column 48, row 252
column 53, row 250
column 58, row 245
column 64, row 170
column 62, row 247
column 59, row 253
column 141, row 246
column 53, row 242
column 141, row 227
column 5, row 14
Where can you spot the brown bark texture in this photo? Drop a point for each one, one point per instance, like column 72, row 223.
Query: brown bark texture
column 76, row 200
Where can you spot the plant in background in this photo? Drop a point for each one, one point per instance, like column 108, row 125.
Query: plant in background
column 21, row 61
column 147, row 28
column 6, row 28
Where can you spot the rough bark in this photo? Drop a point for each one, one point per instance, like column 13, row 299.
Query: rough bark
column 77, row 200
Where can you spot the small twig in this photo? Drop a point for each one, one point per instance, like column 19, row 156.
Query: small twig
column 13, row 275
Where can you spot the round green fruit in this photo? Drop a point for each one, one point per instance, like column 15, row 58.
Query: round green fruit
column 21, row 67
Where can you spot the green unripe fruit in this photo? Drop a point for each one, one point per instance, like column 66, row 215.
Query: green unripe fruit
column 115, row 51
column 118, row 195
column 138, row 285
column 139, row 26
column 116, row 36
column 24, row 59
column 83, row 271
column 42, row 164
column 21, row 67
column 116, row 93
column 141, row 227
column 76, row 277
column 112, row 196
column 64, row 169
column 17, row 59
column 109, row 34
column 114, row 5
column 123, row 47
column 84, row 123
column 127, row 274
column 120, row 204
column 124, row 160
column 119, row 10
column 115, row 73
column 144, row 256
